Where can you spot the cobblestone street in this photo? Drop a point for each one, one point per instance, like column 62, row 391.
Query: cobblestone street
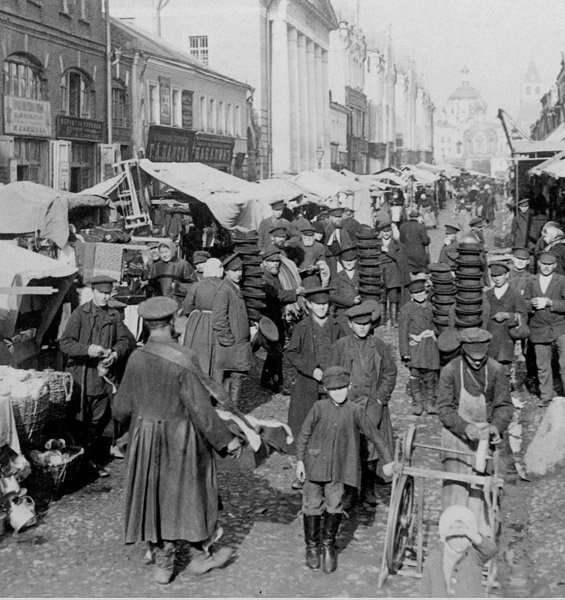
column 77, row 550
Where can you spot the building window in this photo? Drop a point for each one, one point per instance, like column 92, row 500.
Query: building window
column 229, row 120
column 82, row 163
column 22, row 78
column 237, row 122
column 212, row 115
column 198, row 47
column 176, row 108
column 78, row 95
column 221, row 117
column 82, row 10
column 203, row 114
column 28, row 155
column 153, row 102
column 119, row 105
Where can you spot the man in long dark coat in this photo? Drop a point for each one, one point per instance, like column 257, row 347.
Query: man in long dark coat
column 414, row 236
column 373, row 370
column 231, row 328
column 526, row 225
column 345, row 284
column 170, row 488
column 97, row 343
column 395, row 273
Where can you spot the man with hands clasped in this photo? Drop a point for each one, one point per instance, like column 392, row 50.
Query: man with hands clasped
column 544, row 296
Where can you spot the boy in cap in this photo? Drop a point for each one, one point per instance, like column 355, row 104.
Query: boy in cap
column 473, row 403
column 345, row 284
column 230, row 325
column 418, row 348
column 312, row 256
column 454, row 569
column 97, row 343
column 507, row 309
column 327, row 452
column 395, row 272
column 448, row 253
column 544, row 296
column 372, row 367
column 170, row 487
column 309, row 353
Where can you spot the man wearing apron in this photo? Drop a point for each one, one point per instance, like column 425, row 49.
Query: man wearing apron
column 473, row 403
column 372, row 366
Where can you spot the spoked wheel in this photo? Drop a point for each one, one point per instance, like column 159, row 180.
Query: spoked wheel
column 399, row 526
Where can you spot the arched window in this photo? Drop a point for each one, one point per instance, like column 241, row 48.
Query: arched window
column 23, row 77
column 77, row 94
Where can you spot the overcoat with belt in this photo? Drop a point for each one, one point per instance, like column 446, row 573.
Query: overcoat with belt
column 302, row 355
column 546, row 324
column 231, row 328
column 414, row 318
column 501, row 346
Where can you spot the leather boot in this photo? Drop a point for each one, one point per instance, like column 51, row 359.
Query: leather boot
column 384, row 316
column 416, row 393
column 393, row 314
column 312, row 538
column 367, row 494
column 329, row 533
column 430, row 385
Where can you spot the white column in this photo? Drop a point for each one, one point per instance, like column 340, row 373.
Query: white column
column 326, row 127
column 311, row 77
column 303, row 102
column 294, row 99
column 280, row 98
column 319, row 99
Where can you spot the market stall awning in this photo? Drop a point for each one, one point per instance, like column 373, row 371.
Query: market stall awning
column 324, row 187
column 387, row 177
column 234, row 202
column 428, row 167
column 419, row 175
column 19, row 268
column 281, row 188
column 105, row 188
column 554, row 166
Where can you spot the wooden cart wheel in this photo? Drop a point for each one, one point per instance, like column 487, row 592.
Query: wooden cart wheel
column 408, row 444
column 400, row 518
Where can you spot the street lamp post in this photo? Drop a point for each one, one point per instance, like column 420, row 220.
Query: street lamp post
column 320, row 155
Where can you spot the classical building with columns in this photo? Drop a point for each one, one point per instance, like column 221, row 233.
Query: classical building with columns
column 280, row 48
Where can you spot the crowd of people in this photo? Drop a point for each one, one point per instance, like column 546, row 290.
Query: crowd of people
column 196, row 353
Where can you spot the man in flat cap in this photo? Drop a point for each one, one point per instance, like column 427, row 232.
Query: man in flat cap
column 473, row 403
column 97, row 344
column 170, row 487
column 527, row 225
column 345, row 284
column 506, row 309
column 309, row 352
column 372, row 366
column 414, row 236
column 276, row 298
column 418, row 348
column 544, row 296
column 395, row 270
column 337, row 238
column 231, row 328
column 267, row 224
column 448, row 253
column 310, row 257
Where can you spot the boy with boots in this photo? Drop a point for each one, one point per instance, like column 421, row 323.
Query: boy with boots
column 328, row 453
column 418, row 348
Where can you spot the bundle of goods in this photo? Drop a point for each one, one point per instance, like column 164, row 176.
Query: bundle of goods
column 469, row 282
column 443, row 294
column 369, row 263
column 253, row 285
column 57, row 463
column 36, row 397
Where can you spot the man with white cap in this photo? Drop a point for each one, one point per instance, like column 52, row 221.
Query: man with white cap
column 473, row 403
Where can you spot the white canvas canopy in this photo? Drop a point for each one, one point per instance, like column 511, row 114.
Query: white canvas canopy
column 419, row 175
column 19, row 268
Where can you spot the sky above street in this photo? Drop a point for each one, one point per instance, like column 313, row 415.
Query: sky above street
column 495, row 39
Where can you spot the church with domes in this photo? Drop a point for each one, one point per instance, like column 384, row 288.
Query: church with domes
column 464, row 135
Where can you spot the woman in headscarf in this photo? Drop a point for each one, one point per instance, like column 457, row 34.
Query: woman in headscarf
column 198, row 334
column 167, row 275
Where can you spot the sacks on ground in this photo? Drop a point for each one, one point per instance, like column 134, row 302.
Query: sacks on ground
column 546, row 451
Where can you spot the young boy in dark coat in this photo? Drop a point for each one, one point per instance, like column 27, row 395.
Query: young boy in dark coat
column 328, row 458
column 418, row 348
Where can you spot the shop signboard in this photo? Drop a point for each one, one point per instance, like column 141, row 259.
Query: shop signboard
column 169, row 144
column 186, row 109
column 75, row 128
column 165, row 100
column 214, row 150
column 26, row 117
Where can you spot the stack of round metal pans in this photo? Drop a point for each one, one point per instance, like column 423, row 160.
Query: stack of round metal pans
column 252, row 285
column 368, row 263
column 443, row 290
column 469, row 282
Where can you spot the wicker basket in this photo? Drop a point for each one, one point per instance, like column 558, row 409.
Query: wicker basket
column 56, row 475
column 60, row 392
column 30, row 415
